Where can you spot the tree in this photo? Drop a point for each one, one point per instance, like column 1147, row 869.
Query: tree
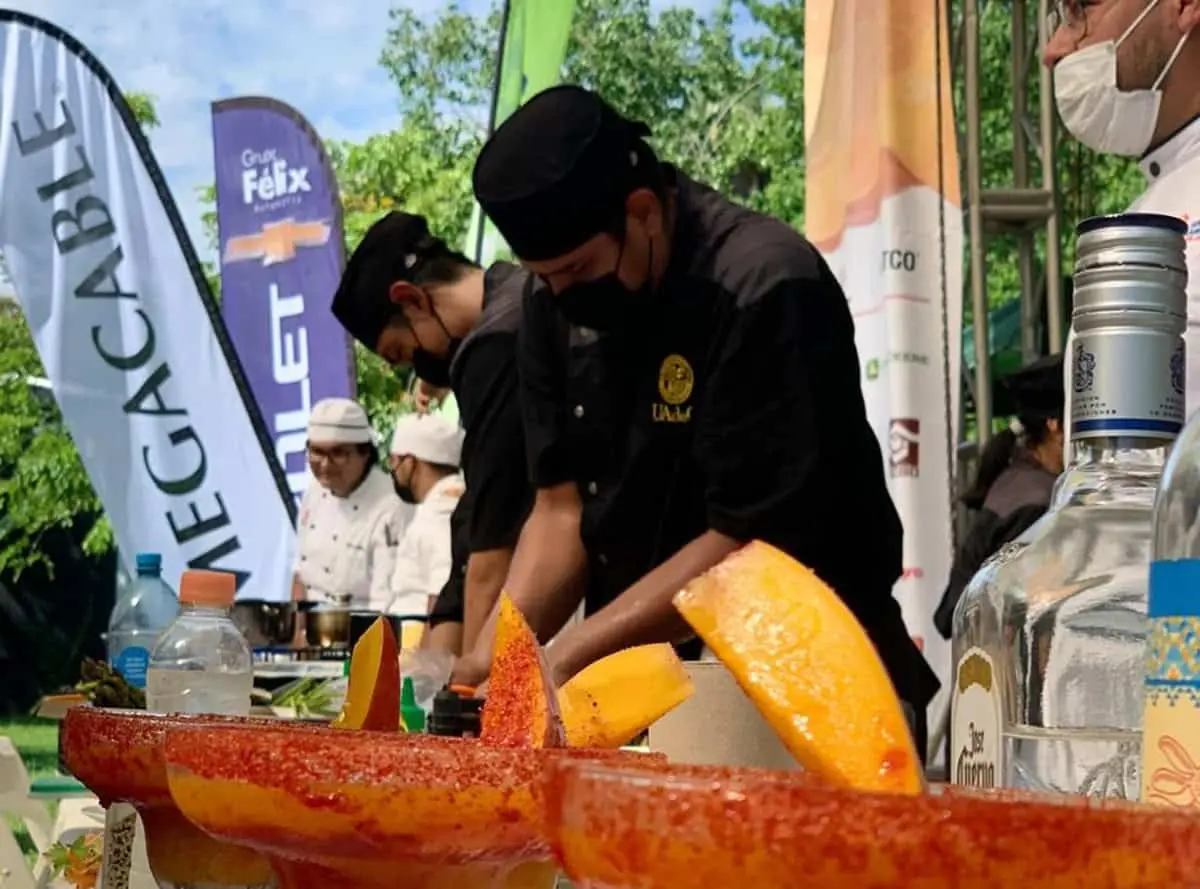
column 43, row 485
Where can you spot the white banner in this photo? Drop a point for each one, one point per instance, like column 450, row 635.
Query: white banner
column 883, row 206
column 130, row 336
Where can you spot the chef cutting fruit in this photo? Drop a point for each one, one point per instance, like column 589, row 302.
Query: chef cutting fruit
column 410, row 299
column 657, row 306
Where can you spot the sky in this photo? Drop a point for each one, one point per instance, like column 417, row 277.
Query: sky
column 320, row 56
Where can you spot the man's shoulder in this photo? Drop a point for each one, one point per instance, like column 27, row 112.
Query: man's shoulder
column 747, row 254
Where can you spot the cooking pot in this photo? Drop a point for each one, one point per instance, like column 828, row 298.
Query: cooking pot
column 265, row 624
column 326, row 627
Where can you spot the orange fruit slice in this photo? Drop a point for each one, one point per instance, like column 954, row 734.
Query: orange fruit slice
column 521, row 708
column 808, row 665
column 373, row 693
column 612, row 701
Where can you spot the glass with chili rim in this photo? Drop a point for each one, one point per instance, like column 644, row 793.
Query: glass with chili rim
column 647, row 826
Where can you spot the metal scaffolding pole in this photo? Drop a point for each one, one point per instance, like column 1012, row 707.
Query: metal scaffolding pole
column 1027, row 210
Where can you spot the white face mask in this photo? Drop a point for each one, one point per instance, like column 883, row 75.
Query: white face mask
column 1095, row 111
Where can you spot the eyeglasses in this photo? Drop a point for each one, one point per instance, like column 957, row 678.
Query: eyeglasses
column 335, row 455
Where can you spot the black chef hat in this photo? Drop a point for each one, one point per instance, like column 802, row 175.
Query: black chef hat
column 1034, row 391
column 557, row 172
column 390, row 251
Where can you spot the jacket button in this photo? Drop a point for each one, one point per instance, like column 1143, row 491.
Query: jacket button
column 1155, row 169
column 578, row 411
column 592, row 488
column 602, row 559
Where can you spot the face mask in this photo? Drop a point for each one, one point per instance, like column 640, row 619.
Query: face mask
column 1095, row 111
column 435, row 369
column 605, row 303
column 403, row 491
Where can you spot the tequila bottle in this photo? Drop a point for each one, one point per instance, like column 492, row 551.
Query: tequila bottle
column 1050, row 635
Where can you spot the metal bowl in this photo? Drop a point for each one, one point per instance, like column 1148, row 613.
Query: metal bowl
column 265, row 624
column 327, row 627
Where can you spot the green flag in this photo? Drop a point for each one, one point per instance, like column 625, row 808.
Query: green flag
column 535, row 46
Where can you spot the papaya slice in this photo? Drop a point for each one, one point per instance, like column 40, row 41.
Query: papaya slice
column 614, row 700
column 373, row 693
column 521, row 708
column 808, row 665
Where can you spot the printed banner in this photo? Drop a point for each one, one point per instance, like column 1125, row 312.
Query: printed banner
column 282, row 250
column 535, row 45
column 884, row 207
column 126, row 327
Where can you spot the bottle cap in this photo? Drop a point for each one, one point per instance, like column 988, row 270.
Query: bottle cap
column 213, row 588
column 413, row 716
column 148, row 563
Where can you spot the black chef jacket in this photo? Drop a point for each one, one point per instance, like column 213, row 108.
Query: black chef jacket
column 732, row 403
column 483, row 376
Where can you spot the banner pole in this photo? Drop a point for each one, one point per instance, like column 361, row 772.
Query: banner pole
column 495, row 104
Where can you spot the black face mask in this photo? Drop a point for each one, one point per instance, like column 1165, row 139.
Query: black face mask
column 605, row 303
column 403, row 491
column 435, row 369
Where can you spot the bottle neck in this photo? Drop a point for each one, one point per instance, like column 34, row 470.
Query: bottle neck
column 196, row 609
column 1112, row 469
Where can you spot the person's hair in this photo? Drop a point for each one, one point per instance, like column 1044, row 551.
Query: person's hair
column 437, row 265
column 999, row 453
column 650, row 173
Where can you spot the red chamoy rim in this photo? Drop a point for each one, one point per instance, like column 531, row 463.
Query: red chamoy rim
column 376, row 794
column 717, row 827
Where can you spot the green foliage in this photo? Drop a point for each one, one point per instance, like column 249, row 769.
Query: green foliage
column 727, row 111
column 1088, row 183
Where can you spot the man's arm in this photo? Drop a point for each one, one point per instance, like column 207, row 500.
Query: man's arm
column 498, row 495
column 756, row 452
column 544, row 578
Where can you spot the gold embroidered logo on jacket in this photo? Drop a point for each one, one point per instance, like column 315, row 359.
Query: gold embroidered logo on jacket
column 676, row 381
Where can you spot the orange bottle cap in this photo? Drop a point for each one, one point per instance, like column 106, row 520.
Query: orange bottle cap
column 214, row 588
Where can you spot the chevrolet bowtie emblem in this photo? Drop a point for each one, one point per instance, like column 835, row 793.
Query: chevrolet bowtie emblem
column 277, row 242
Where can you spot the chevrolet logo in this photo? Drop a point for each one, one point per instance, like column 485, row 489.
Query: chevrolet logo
column 277, row 242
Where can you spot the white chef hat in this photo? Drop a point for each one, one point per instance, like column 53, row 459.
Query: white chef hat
column 428, row 437
column 339, row 421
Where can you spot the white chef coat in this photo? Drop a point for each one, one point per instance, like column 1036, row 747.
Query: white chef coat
column 423, row 556
column 1173, row 173
column 347, row 545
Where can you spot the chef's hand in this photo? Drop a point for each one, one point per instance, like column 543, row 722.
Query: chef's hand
column 471, row 669
column 426, row 394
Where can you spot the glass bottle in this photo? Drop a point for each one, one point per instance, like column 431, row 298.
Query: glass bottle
column 1171, row 731
column 1049, row 637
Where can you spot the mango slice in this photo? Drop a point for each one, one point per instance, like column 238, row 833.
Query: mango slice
column 373, row 693
column 521, row 708
column 614, row 700
column 808, row 665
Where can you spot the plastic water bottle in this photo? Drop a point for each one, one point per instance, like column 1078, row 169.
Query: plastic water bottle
column 202, row 662
column 145, row 607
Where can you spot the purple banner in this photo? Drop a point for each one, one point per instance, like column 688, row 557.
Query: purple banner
column 279, row 220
